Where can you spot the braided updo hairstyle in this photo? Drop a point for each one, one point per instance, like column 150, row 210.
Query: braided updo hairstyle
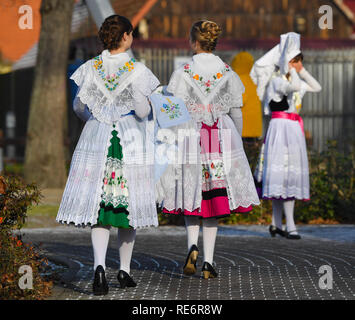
column 206, row 33
column 112, row 30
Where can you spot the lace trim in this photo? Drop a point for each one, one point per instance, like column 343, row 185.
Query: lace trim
column 114, row 163
column 116, row 201
column 279, row 191
column 209, row 114
column 227, row 94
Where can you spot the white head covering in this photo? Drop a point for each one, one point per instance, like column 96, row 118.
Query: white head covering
column 290, row 44
column 279, row 56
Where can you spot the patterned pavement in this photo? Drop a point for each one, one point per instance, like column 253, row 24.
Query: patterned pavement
column 251, row 264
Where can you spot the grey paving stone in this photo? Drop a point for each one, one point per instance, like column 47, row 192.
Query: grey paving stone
column 251, row 264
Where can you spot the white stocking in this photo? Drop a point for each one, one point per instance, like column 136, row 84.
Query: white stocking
column 126, row 238
column 277, row 206
column 209, row 231
column 99, row 239
column 192, row 224
column 290, row 223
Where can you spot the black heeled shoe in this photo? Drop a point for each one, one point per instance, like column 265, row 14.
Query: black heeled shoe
column 100, row 286
column 274, row 230
column 190, row 264
column 125, row 279
column 208, row 271
column 292, row 236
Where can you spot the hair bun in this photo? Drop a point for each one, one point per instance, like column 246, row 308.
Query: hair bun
column 210, row 30
column 206, row 33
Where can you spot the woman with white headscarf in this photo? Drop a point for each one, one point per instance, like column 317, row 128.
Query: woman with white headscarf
column 283, row 167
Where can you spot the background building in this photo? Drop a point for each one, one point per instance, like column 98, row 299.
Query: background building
column 161, row 32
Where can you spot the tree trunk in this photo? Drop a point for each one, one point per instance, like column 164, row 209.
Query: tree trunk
column 45, row 151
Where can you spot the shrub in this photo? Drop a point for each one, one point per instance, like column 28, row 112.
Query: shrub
column 15, row 198
column 332, row 178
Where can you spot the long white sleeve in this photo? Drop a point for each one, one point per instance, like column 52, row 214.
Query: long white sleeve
column 143, row 88
column 237, row 117
column 285, row 87
column 141, row 104
column 309, row 83
column 81, row 110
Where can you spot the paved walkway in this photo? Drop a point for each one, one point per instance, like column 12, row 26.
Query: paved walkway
column 251, row 264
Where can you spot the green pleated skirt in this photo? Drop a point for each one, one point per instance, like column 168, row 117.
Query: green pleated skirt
column 114, row 199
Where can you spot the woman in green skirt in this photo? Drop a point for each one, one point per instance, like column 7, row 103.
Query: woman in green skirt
column 111, row 177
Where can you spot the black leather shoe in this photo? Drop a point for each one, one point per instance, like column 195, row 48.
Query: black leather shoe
column 125, row 279
column 190, row 264
column 292, row 236
column 208, row 271
column 100, row 286
column 274, row 230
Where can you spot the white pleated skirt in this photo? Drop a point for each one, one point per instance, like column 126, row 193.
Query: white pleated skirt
column 285, row 170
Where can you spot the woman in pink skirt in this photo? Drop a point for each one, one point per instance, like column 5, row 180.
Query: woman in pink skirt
column 210, row 177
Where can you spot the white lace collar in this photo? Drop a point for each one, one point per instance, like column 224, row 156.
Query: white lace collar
column 206, row 72
column 113, row 72
column 207, row 64
column 112, row 62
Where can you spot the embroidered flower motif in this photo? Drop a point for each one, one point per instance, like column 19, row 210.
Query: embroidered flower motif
column 227, row 98
column 111, row 82
column 115, row 191
column 171, row 109
column 212, row 165
column 209, row 84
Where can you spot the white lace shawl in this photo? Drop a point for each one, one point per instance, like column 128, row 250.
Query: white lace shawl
column 205, row 106
column 108, row 106
column 82, row 195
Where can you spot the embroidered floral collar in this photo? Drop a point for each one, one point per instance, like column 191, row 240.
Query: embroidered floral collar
column 112, row 81
column 206, row 84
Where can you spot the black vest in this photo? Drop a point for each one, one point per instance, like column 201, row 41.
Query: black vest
column 279, row 106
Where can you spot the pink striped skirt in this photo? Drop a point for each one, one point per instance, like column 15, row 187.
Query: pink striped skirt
column 215, row 203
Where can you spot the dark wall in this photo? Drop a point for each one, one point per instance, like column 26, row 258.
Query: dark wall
column 246, row 19
column 15, row 93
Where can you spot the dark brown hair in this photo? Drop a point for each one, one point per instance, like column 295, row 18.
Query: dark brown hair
column 298, row 58
column 206, row 33
column 112, row 30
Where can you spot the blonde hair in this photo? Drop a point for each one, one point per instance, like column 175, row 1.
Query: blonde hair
column 206, row 33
